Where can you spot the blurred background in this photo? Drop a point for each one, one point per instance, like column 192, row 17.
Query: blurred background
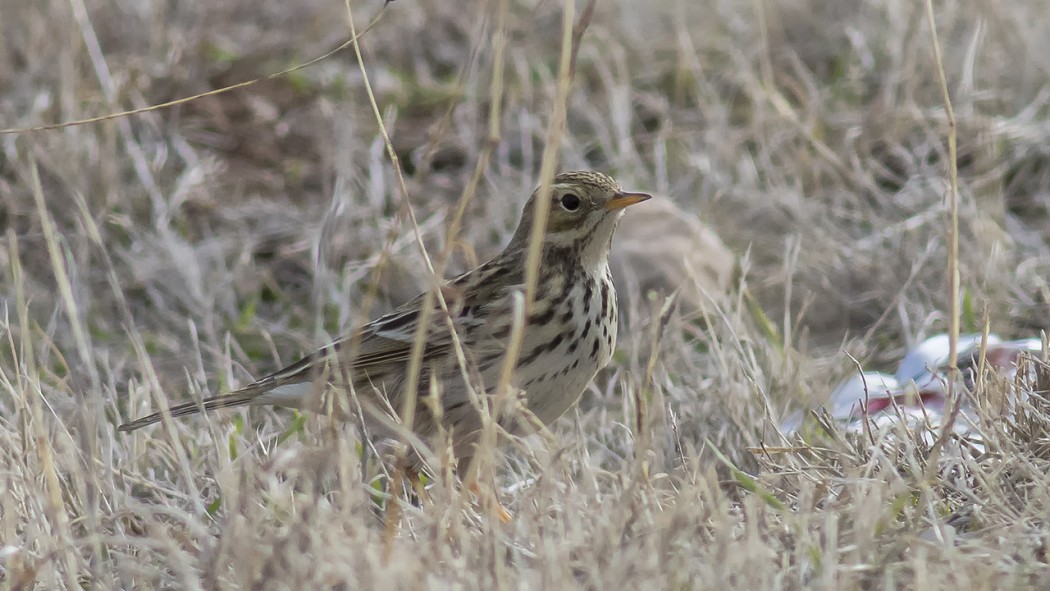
column 808, row 134
column 800, row 145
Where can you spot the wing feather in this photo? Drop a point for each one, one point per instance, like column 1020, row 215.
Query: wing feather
column 383, row 345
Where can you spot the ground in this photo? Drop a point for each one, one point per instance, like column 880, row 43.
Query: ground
column 189, row 248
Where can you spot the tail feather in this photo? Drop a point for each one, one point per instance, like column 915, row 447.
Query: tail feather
column 238, row 398
column 254, row 392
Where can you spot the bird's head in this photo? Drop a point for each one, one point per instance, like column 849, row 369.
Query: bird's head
column 584, row 209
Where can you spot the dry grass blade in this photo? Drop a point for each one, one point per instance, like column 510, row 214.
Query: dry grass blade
column 153, row 256
column 198, row 96
column 953, row 293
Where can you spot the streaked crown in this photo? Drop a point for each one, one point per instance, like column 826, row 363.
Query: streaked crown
column 584, row 209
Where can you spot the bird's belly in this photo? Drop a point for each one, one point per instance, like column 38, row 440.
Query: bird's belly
column 550, row 394
column 574, row 350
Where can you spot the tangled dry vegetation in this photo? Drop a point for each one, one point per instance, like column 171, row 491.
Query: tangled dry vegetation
column 188, row 248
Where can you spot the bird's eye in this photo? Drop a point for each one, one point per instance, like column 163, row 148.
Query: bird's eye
column 570, row 201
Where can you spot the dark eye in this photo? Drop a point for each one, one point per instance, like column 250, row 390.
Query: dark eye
column 570, row 201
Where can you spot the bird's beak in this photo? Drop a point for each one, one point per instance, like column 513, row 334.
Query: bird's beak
column 622, row 200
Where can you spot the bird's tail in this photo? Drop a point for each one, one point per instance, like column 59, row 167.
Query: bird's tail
column 290, row 386
column 236, row 398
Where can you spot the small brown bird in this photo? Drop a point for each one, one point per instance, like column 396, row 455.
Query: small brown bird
column 567, row 337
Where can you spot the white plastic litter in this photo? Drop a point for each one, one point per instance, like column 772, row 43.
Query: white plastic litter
column 917, row 392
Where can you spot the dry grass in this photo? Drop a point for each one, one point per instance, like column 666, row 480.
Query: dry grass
column 192, row 247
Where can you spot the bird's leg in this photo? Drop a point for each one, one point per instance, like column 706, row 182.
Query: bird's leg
column 502, row 512
column 402, row 471
column 416, row 483
column 469, row 473
column 392, row 517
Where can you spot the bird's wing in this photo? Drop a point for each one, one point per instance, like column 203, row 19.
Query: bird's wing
column 378, row 345
column 385, row 343
column 379, row 348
